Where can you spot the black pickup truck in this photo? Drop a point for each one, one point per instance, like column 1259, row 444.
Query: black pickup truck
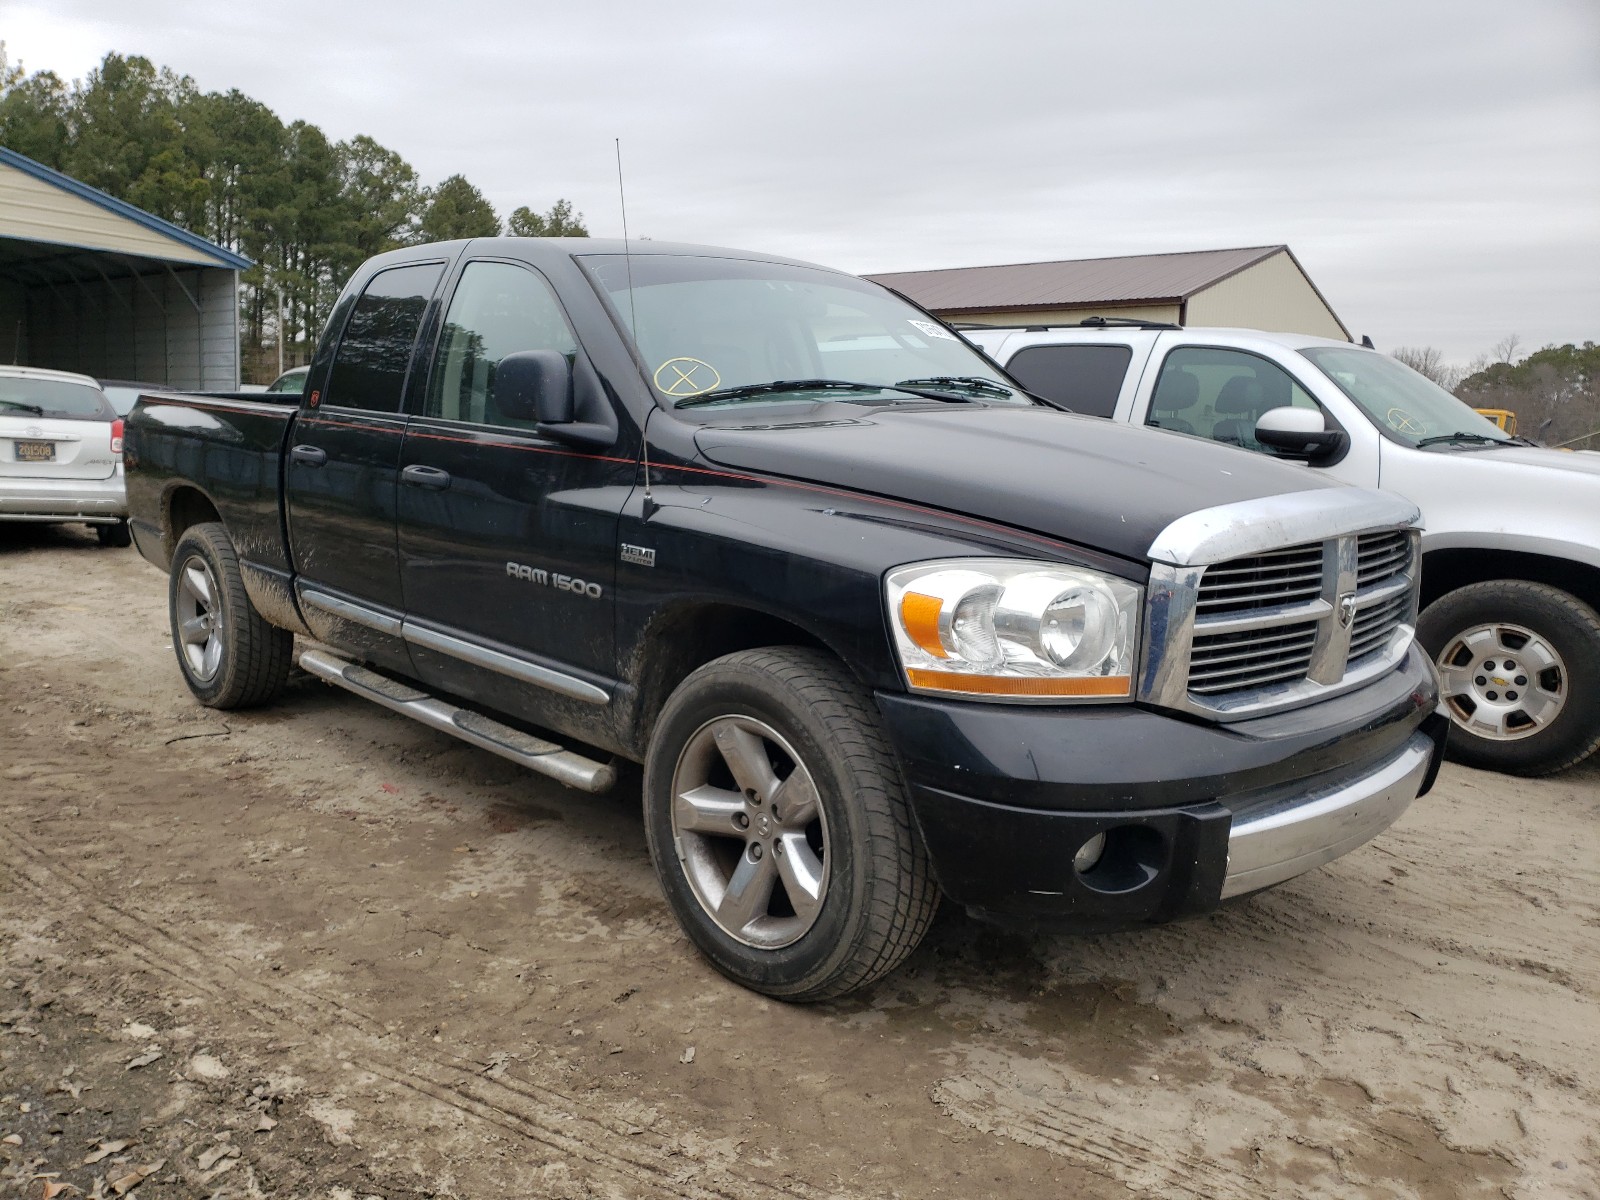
column 879, row 625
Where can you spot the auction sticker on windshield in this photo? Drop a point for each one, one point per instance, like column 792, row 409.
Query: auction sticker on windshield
column 932, row 330
column 686, row 377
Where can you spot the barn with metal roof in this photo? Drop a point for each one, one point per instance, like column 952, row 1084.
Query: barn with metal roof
column 94, row 285
column 1259, row 287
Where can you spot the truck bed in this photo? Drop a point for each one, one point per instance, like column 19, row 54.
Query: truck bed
column 225, row 450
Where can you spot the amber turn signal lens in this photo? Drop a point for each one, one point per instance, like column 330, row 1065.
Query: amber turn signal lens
column 1009, row 685
column 919, row 615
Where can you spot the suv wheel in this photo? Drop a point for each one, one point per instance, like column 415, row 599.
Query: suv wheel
column 116, row 536
column 778, row 824
column 1519, row 668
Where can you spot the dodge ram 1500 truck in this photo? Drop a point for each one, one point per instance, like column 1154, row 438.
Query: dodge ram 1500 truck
column 878, row 624
column 1511, row 548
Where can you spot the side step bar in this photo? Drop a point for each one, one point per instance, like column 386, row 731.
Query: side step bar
column 536, row 754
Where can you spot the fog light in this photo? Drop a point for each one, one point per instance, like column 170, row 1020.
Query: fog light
column 1089, row 853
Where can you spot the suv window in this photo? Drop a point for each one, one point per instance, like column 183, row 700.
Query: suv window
column 1087, row 379
column 498, row 309
column 1221, row 394
column 31, row 396
column 369, row 368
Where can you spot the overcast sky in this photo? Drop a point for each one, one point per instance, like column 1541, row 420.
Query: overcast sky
column 1434, row 165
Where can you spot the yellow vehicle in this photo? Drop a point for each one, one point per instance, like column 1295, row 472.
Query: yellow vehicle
column 1503, row 417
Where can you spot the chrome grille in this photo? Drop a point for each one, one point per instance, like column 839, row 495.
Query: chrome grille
column 1381, row 556
column 1226, row 662
column 1262, row 581
column 1374, row 625
column 1271, row 627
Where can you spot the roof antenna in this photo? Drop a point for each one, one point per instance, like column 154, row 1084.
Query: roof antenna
column 649, row 506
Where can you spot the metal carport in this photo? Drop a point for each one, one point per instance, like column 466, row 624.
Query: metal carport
column 89, row 283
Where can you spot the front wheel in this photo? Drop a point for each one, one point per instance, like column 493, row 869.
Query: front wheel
column 778, row 824
column 1519, row 671
column 230, row 656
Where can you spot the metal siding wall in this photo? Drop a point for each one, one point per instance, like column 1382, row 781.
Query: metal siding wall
column 1272, row 295
column 219, row 329
column 143, row 329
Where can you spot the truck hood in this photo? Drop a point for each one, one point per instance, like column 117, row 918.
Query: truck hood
column 1097, row 484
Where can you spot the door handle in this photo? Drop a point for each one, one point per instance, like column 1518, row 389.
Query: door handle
column 308, row 456
column 428, row 477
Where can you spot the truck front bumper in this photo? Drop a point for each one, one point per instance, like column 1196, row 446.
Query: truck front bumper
column 1191, row 813
column 94, row 501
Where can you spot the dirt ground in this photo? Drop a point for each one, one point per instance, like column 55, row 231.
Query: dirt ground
column 321, row 951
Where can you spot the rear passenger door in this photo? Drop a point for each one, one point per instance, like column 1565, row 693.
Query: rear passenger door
column 508, row 538
column 343, row 460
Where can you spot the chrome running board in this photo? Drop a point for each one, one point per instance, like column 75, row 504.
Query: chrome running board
column 536, row 754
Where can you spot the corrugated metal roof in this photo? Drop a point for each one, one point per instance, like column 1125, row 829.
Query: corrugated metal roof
column 1137, row 277
column 81, row 222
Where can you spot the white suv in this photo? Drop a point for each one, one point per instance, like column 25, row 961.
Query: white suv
column 1511, row 541
column 61, row 452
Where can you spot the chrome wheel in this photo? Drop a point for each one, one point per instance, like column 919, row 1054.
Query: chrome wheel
column 749, row 830
column 199, row 622
column 1502, row 682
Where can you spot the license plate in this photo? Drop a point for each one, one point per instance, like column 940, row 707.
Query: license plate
column 36, row 451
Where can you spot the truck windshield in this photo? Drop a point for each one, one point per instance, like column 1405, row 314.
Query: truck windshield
column 1403, row 404
column 733, row 330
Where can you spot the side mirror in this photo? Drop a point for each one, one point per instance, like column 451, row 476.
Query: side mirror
column 1300, row 433
column 534, row 385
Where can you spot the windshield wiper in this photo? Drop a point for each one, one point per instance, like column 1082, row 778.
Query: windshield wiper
column 811, row 385
column 777, row 386
column 33, row 408
column 970, row 383
column 1463, row 436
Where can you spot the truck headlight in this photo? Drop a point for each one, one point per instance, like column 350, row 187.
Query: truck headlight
column 1010, row 629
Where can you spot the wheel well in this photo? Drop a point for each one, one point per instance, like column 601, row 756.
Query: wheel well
column 680, row 642
column 1446, row 570
column 187, row 507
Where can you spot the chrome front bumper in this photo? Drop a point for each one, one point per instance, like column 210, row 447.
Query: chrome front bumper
column 94, row 501
column 1295, row 835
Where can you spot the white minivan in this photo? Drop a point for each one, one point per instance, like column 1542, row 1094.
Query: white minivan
column 1511, row 539
column 61, row 452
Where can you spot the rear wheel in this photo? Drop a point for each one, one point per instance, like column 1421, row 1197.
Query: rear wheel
column 115, row 536
column 1519, row 669
column 778, row 824
column 230, row 656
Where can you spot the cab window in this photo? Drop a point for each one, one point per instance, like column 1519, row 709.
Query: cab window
column 369, row 368
column 1220, row 394
column 498, row 309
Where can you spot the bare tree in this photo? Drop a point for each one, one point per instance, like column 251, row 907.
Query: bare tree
column 1429, row 361
column 1505, row 350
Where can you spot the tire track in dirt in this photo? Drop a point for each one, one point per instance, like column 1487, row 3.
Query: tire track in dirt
column 1074, row 1127
column 549, row 1117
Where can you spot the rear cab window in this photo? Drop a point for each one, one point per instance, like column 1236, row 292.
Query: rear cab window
column 375, row 351
column 1086, row 379
column 22, row 396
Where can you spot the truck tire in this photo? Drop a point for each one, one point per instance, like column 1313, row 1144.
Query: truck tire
column 115, row 536
column 778, row 825
column 1519, row 667
column 229, row 655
